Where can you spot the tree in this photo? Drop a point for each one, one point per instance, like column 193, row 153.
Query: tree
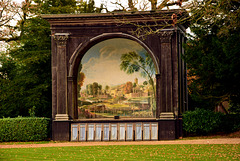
column 128, row 88
column 212, row 55
column 132, row 62
column 80, row 81
column 7, row 14
column 107, row 88
column 89, row 89
column 95, row 89
column 10, row 11
column 25, row 68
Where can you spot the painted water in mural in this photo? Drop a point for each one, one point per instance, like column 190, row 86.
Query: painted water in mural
column 116, row 78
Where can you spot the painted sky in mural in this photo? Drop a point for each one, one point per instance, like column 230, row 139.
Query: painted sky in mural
column 102, row 62
column 106, row 91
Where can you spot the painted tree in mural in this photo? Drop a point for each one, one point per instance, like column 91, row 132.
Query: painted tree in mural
column 80, row 81
column 106, row 89
column 128, row 88
column 213, row 47
column 94, row 89
column 132, row 62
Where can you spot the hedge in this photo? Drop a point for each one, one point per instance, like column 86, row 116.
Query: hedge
column 230, row 123
column 203, row 122
column 24, row 129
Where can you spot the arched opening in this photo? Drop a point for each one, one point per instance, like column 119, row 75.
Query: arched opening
column 74, row 35
column 116, row 78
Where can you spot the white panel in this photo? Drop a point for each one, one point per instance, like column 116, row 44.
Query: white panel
column 82, row 133
column 154, row 131
column 90, row 132
column 129, row 132
column 106, row 132
column 122, row 132
column 113, row 131
column 74, row 133
column 146, row 131
column 98, row 133
column 138, row 131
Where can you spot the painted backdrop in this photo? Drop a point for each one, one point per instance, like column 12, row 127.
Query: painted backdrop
column 116, row 78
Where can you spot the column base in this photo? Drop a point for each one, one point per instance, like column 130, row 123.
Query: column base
column 167, row 115
column 61, row 117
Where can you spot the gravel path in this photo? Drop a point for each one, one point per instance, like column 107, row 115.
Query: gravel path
column 198, row 141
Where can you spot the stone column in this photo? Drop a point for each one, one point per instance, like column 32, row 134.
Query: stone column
column 166, row 79
column 62, row 110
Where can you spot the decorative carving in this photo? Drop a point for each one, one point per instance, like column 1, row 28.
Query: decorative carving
column 166, row 36
column 61, row 38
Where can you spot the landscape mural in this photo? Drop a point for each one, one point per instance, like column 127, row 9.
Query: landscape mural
column 116, row 78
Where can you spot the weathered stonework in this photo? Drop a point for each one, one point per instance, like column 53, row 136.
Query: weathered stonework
column 73, row 35
column 165, row 36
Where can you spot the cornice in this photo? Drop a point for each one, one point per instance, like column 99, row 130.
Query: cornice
column 112, row 18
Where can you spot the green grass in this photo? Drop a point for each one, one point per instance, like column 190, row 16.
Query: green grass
column 30, row 142
column 130, row 152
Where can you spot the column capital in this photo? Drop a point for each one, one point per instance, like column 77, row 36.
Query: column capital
column 61, row 38
column 165, row 36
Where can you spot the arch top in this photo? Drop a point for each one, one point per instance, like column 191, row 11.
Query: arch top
column 84, row 47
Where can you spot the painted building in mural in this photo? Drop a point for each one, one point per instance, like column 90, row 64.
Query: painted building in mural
column 107, row 92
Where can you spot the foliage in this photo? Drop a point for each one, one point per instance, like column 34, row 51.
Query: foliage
column 129, row 152
column 128, row 88
column 55, row 6
column 25, row 68
column 67, row 6
column 25, row 72
column 201, row 122
column 94, row 89
column 9, row 11
column 80, row 80
column 132, row 62
column 230, row 123
column 212, row 54
column 24, row 129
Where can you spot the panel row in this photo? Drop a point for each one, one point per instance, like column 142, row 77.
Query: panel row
column 114, row 131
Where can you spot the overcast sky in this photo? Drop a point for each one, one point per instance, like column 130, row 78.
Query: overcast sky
column 109, row 3
column 101, row 63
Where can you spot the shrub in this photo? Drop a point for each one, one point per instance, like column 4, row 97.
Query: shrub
column 230, row 123
column 24, row 129
column 201, row 121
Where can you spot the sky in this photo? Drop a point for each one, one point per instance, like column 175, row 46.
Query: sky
column 109, row 3
column 101, row 63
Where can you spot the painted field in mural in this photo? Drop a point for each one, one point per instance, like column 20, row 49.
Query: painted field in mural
column 116, row 78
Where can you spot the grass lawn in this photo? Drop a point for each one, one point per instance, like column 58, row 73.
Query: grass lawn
column 129, row 152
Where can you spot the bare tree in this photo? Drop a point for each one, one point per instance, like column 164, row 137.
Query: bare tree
column 10, row 14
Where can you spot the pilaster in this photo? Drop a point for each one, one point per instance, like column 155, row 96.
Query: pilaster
column 62, row 110
column 166, row 79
